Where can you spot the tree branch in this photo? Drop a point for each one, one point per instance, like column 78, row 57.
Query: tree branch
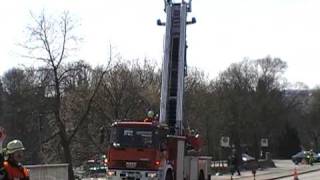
column 84, row 117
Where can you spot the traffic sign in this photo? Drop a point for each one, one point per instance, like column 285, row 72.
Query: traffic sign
column 264, row 142
column 225, row 141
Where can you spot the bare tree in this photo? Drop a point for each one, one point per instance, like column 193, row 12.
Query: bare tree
column 52, row 41
column 128, row 91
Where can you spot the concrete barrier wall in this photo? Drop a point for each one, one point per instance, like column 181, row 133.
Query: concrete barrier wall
column 48, row 172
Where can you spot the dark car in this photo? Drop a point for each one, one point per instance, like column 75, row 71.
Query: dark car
column 317, row 157
column 305, row 155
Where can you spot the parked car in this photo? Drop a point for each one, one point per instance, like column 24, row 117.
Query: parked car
column 95, row 168
column 297, row 158
column 247, row 158
column 317, row 157
column 97, row 172
column 305, row 155
column 248, row 162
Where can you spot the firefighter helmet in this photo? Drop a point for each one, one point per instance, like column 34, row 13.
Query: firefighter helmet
column 14, row 146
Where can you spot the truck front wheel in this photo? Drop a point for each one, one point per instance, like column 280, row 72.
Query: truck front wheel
column 169, row 175
column 201, row 175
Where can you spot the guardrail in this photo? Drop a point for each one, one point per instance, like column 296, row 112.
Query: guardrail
column 219, row 166
column 48, row 171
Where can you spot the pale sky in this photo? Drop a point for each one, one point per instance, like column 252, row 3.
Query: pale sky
column 226, row 32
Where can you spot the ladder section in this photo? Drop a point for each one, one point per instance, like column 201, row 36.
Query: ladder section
column 173, row 70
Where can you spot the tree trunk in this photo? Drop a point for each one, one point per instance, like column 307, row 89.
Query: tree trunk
column 68, row 158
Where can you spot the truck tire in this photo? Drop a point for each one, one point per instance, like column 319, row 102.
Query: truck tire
column 169, row 175
column 201, row 175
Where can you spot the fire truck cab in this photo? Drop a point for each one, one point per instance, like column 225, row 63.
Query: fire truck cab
column 141, row 150
column 137, row 150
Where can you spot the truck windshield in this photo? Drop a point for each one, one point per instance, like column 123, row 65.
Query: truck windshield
column 134, row 137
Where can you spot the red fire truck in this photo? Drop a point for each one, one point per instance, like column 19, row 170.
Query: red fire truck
column 161, row 149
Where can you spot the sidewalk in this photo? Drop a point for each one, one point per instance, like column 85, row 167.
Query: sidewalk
column 284, row 168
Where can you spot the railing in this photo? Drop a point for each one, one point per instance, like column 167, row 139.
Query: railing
column 219, row 166
column 48, row 171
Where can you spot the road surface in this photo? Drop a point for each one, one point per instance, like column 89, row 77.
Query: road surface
column 285, row 168
column 307, row 176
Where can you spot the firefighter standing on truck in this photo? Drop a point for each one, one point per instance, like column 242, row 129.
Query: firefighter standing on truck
column 150, row 116
column 11, row 168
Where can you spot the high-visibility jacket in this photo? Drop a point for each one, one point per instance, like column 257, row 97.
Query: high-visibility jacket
column 15, row 172
column 148, row 119
column 194, row 141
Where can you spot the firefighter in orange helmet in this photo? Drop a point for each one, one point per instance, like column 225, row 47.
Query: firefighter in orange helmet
column 150, row 116
column 12, row 169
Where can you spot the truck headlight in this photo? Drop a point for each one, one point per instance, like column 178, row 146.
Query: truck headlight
column 152, row 175
column 111, row 173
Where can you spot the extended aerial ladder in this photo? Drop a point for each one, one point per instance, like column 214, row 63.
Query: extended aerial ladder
column 174, row 64
column 172, row 89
